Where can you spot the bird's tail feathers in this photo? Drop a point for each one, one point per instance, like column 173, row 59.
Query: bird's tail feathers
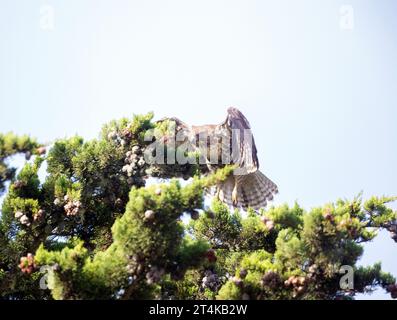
column 254, row 190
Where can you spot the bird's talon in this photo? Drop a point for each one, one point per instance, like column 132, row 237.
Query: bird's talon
column 218, row 190
column 234, row 196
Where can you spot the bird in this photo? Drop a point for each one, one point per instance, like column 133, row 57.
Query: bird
column 230, row 142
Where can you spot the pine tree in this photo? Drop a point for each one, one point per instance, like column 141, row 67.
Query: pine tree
column 93, row 229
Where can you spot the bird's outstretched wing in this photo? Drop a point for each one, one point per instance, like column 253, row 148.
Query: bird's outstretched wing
column 243, row 148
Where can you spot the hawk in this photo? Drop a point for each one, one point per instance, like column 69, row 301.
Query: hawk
column 231, row 142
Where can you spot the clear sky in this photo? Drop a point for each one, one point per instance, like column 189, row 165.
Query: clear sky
column 316, row 79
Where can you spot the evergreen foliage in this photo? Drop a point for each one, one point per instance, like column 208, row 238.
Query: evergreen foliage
column 93, row 229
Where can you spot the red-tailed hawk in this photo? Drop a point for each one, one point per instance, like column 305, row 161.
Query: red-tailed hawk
column 231, row 142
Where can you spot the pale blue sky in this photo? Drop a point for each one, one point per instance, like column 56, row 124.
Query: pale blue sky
column 321, row 99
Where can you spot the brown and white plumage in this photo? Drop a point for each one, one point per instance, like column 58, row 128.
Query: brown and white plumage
column 254, row 190
column 247, row 187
